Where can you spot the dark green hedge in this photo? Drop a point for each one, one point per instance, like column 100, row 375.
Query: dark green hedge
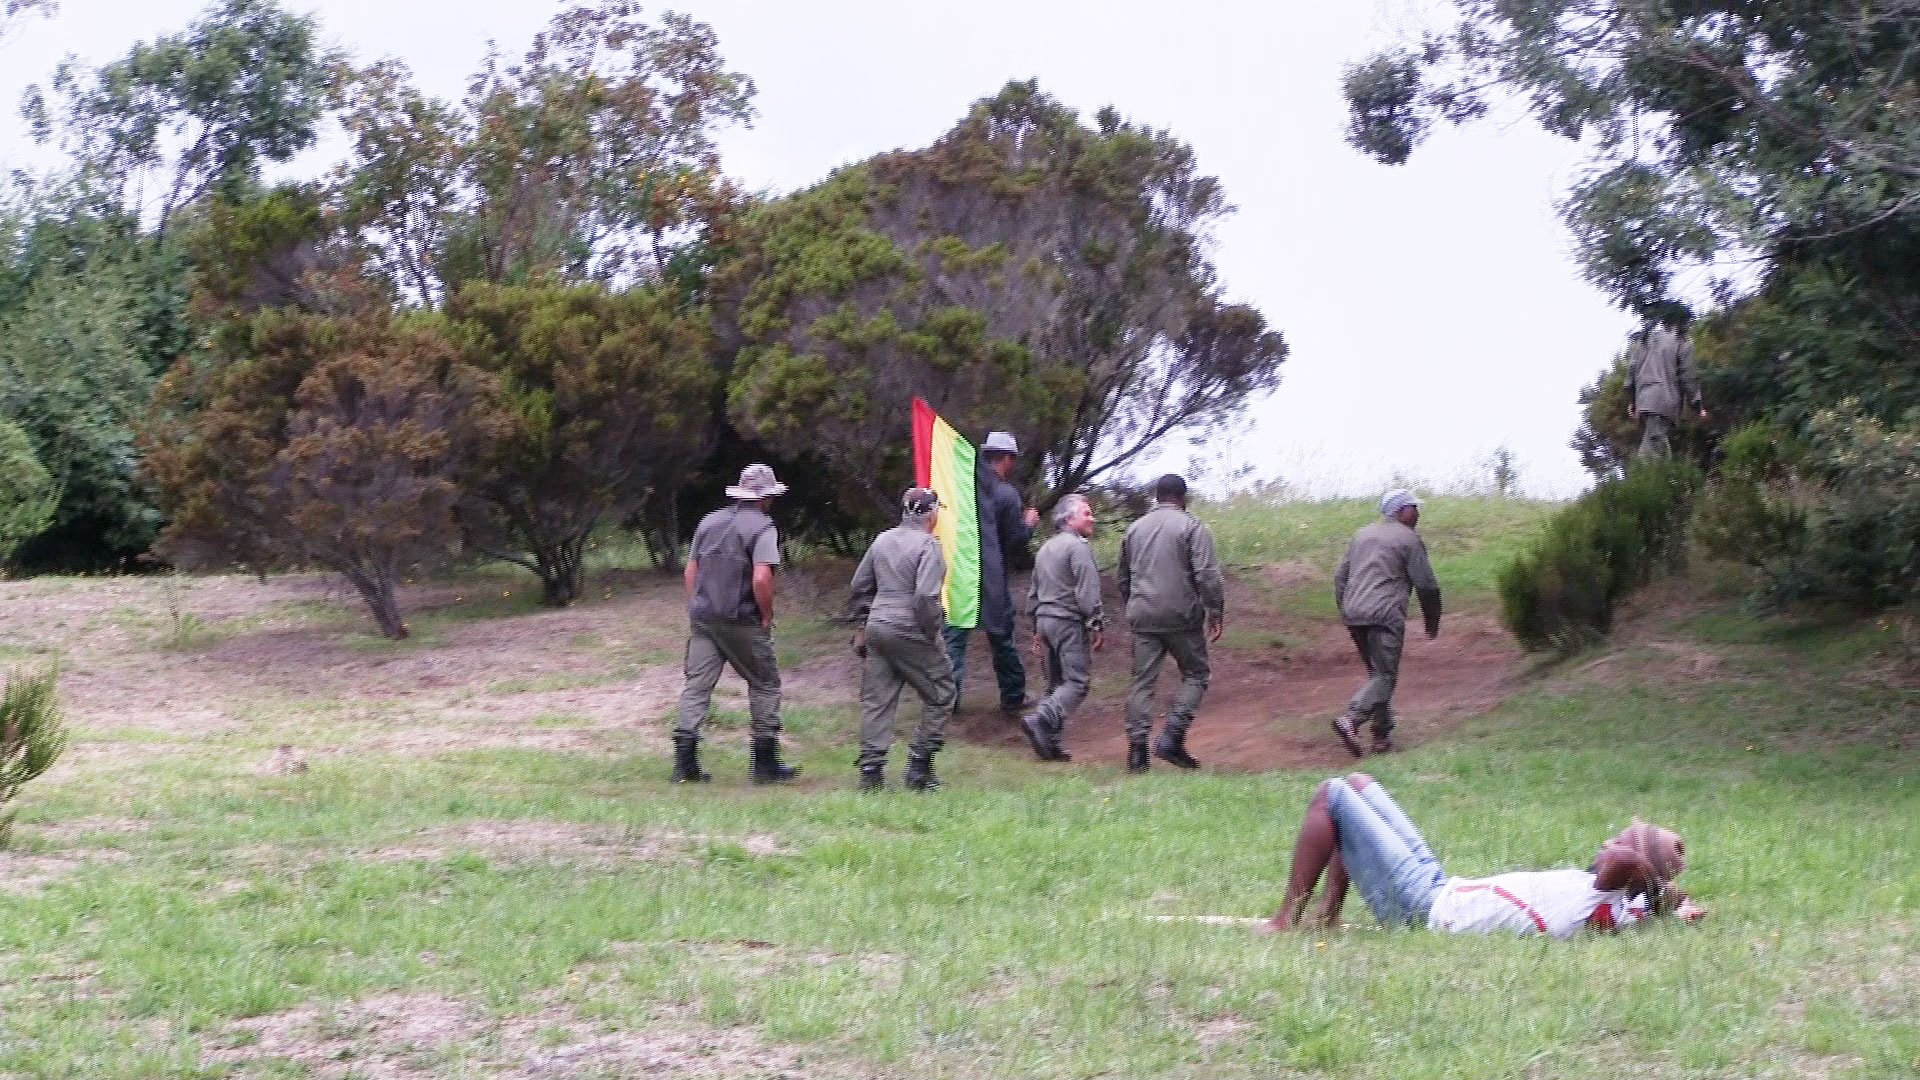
column 1561, row 592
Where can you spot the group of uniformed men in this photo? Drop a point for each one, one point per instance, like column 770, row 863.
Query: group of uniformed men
column 1169, row 581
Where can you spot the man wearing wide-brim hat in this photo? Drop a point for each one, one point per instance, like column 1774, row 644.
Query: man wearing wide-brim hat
column 1005, row 527
column 1385, row 561
column 729, row 578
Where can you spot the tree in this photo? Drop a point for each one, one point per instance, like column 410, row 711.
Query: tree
column 1026, row 271
column 370, row 470
column 1780, row 137
column 1716, row 127
column 606, row 402
column 11, row 12
column 72, row 380
column 28, row 497
column 193, row 113
column 592, row 159
column 323, row 440
column 400, row 188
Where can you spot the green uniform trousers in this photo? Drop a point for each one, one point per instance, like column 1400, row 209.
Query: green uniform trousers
column 1069, row 671
column 1150, row 651
column 1656, row 435
column 748, row 649
column 1380, row 648
column 897, row 659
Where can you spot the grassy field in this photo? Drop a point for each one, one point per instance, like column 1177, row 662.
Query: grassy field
column 509, row 912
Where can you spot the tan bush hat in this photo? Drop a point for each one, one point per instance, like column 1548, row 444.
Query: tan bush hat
column 757, row 482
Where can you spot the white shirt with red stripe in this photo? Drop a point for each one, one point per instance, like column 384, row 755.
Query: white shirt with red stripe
column 1558, row 903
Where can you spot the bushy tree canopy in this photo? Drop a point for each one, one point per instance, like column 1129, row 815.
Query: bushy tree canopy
column 28, row 497
column 72, row 379
column 604, row 402
column 333, row 441
column 1028, row 271
column 592, row 158
column 1779, row 128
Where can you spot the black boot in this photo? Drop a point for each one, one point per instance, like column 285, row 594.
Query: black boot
column 1037, row 736
column 871, row 778
column 920, row 772
column 686, row 761
column 767, row 767
column 1172, row 747
column 1137, row 756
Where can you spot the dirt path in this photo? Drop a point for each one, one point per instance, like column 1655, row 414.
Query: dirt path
column 295, row 656
column 1269, row 705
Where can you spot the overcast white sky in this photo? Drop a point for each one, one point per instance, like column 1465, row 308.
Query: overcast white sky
column 1433, row 310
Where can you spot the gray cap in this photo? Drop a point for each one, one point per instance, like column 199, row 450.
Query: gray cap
column 1397, row 500
column 1001, row 440
column 757, row 482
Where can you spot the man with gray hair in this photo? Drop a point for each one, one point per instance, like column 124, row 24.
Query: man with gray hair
column 898, row 601
column 1067, row 620
column 1385, row 560
column 1659, row 380
column 1176, row 601
column 729, row 579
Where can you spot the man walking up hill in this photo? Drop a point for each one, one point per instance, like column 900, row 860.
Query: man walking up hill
column 1384, row 561
column 897, row 598
column 1176, row 604
column 1659, row 381
column 1068, row 624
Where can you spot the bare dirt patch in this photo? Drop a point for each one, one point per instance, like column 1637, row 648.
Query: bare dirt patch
column 26, row 874
column 754, row 959
column 394, row 1036
column 1221, row 1029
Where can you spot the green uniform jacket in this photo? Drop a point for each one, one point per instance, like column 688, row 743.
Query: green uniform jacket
column 1066, row 581
column 1169, row 576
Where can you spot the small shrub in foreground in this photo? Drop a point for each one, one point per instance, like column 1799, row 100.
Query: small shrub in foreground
column 32, row 734
column 1562, row 591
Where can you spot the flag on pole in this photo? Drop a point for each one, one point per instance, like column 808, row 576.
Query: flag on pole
column 944, row 462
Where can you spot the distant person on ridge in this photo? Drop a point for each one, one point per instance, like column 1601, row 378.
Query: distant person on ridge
column 1384, row 561
column 1659, row 380
column 1353, row 830
column 898, row 600
column 1176, row 602
column 1004, row 528
column 729, row 579
column 1068, row 624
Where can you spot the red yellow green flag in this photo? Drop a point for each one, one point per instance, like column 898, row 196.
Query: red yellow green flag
column 944, row 462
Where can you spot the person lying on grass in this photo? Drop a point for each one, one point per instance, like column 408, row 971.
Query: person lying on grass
column 1354, row 829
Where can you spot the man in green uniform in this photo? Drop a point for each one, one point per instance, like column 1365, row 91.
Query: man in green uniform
column 1176, row 604
column 1067, row 624
column 729, row 579
column 1385, row 560
column 1659, row 381
column 897, row 598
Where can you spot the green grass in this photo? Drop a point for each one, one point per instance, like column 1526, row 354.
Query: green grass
column 1470, row 538
column 999, row 928
column 996, row 929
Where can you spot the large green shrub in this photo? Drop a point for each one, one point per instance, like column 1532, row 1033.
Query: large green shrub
column 1562, row 591
column 1855, row 500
